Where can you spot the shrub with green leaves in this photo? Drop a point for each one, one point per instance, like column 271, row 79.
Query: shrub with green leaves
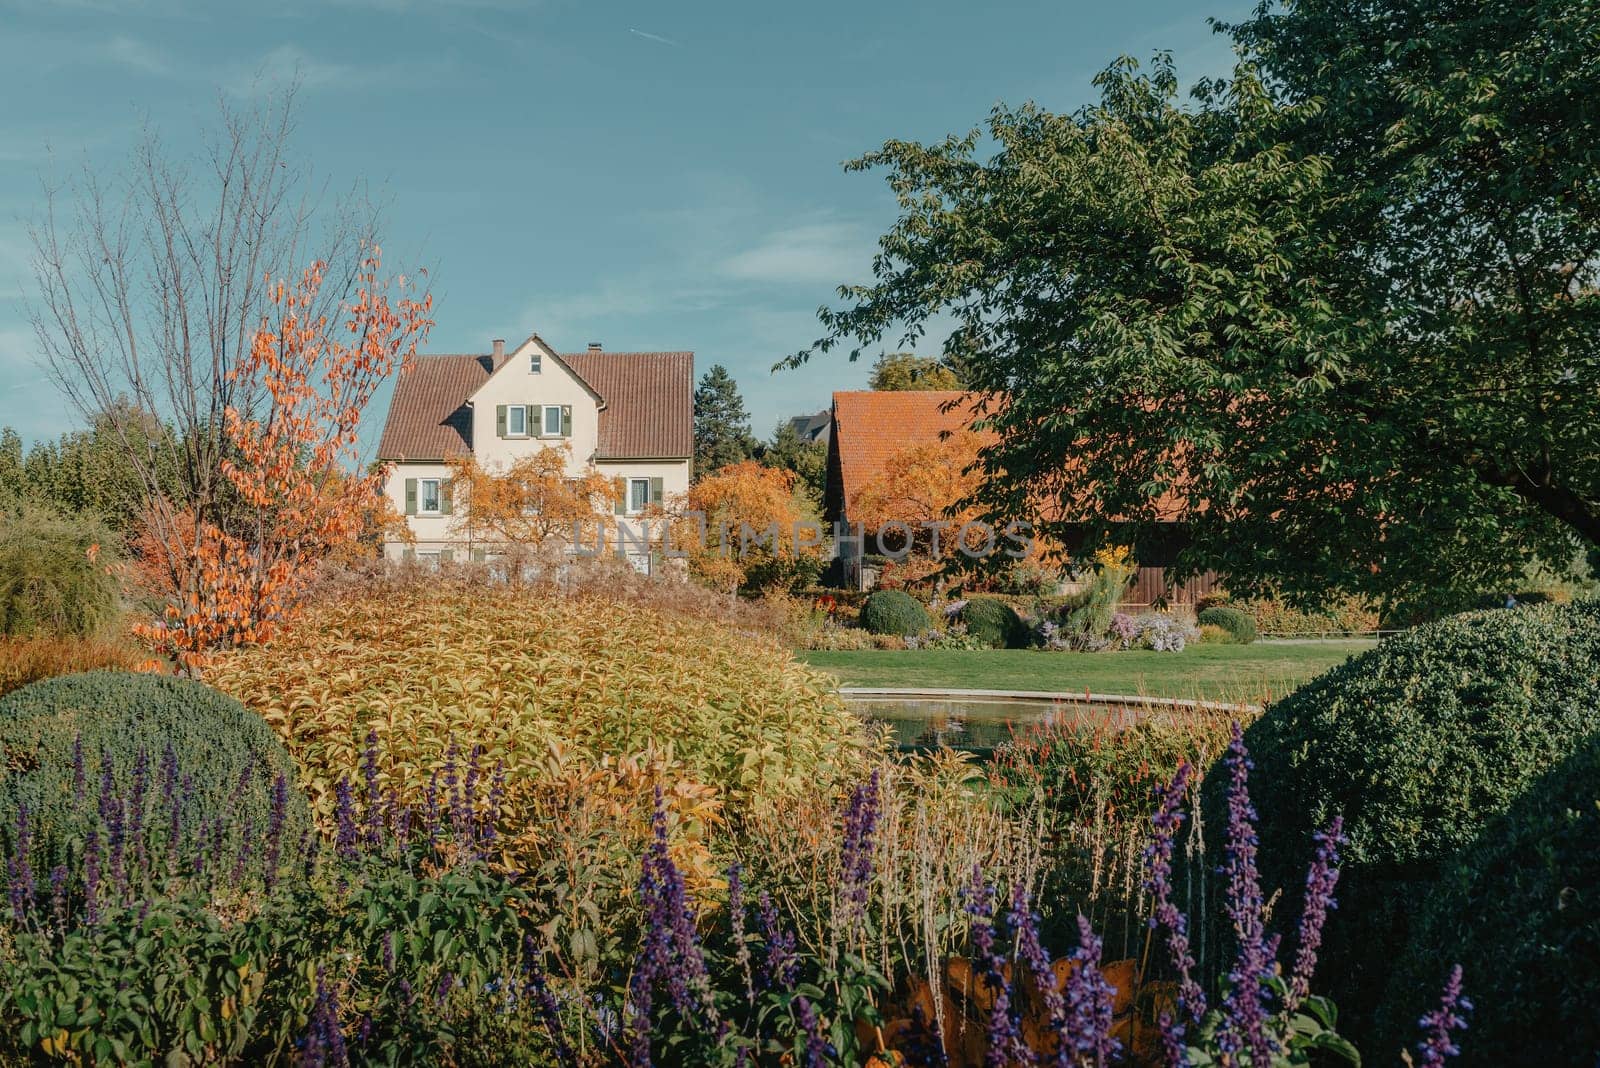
column 60, row 736
column 1240, row 626
column 1520, row 910
column 994, row 623
column 54, row 576
column 894, row 612
column 1417, row 744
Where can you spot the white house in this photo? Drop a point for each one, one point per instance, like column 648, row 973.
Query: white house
column 630, row 414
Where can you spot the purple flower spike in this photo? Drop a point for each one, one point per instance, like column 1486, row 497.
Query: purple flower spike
column 372, row 798
column 275, row 820
column 1437, row 1045
column 670, row 952
column 855, row 857
column 549, row 1008
column 1320, row 883
column 780, row 967
column 1158, row 864
column 1005, row 1045
column 1025, row 922
column 818, row 1048
column 1245, row 1009
column 20, row 869
column 323, row 1046
column 345, row 814
column 1089, row 1002
column 736, row 920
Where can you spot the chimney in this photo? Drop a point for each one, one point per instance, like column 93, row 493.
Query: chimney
column 499, row 348
column 594, row 346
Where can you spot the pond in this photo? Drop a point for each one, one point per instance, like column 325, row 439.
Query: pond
column 978, row 721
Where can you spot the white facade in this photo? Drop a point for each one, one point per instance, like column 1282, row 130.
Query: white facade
column 531, row 401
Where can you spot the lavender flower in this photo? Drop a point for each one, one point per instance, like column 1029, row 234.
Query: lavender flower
column 1025, row 922
column 19, row 869
column 1437, row 1046
column 1245, row 1008
column 818, row 1048
column 372, row 798
column 855, row 858
column 1320, row 882
column 1004, row 1032
column 345, row 814
column 780, row 967
column 736, row 920
column 1191, row 1001
column 276, row 816
column 1089, row 997
column 549, row 1009
column 670, row 952
column 241, row 859
column 91, row 876
column 323, row 1045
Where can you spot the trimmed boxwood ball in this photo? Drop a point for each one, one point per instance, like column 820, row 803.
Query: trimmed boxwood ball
column 994, row 623
column 893, row 612
column 1240, row 626
column 121, row 714
column 1418, row 744
column 1520, row 911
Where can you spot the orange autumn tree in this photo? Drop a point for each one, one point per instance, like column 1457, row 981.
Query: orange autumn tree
column 931, row 483
column 531, row 510
column 292, row 465
column 731, row 514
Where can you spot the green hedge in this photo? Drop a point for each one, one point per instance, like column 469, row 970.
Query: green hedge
column 894, row 612
column 1241, row 627
column 213, row 738
column 1417, row 743
column 54, row 577
column 1520, row 911
column 994, row 623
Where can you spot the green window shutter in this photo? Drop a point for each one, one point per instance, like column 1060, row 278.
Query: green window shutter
column 500, row 420
column 656, row 490
column 446, row 556
column 445, row 492
column 622, row 496
column 411, row 496
column 480, row 555
column 566, row 420
column 408, row 554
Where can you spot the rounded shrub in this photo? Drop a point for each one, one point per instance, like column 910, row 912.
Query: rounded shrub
column 1520, row 912
column 539, row 684
column 61, row 738
column 1417, row 744
column 894, row 612
column 1240, row 626
column 994, row 623
column 54, row 578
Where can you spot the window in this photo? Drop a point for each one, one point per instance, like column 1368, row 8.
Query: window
column 517, row 421
column 428, row 496
column 428, row 558
column 535, row 363
column 640, row 562
column 552, row 420
column 638, row 495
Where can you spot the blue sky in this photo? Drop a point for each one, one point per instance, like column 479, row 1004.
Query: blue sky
column 645, row 175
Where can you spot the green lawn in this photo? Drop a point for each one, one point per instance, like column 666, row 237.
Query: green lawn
column 1251, row 673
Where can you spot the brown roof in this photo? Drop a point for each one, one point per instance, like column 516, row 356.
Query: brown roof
column 647, row 412
column 870, row 426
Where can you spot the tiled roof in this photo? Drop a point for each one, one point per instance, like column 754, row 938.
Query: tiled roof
column 870, row 426
column 648, row 410
column 428, row 417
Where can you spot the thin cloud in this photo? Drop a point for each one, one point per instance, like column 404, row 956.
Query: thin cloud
column 825, row 253
column 656, row 37
column 138, row 56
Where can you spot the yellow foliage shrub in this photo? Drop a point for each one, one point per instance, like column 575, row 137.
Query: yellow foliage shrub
column 545, row 684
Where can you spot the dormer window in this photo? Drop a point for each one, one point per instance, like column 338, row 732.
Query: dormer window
column 535, row 362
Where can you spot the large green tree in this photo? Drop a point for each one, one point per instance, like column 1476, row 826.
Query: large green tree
column 1336, row 313
column 788, row 451
column 901, row 371
column 721, row 424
